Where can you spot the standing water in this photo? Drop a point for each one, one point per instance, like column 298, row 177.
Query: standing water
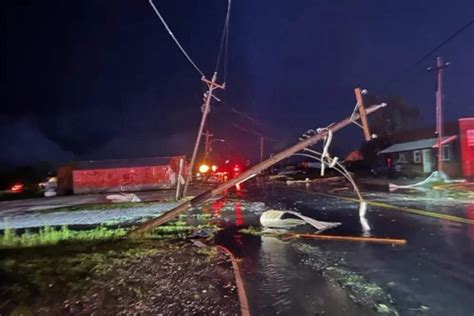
column 313, row 277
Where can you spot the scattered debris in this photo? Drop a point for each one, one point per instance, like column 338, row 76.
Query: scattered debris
column 50, row 193
column 123, row 197
column 250, row 173
column 391, row 241
column 291, row 219
column 290, row 182
column 49, row 187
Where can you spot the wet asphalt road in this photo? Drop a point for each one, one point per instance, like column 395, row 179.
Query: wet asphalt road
column 432, row 275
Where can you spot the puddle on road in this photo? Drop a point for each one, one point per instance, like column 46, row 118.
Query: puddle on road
column 311, row 278
column 365, row 278
column 284, row 277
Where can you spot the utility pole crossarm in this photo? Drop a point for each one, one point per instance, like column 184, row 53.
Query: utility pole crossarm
column 205, row 111
column 212, row 84
column 362, row 113
column 248, row 174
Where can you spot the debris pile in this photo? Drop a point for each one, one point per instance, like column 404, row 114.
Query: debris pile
column 291, row 219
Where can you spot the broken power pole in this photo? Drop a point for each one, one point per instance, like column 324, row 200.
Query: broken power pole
column 248, row 174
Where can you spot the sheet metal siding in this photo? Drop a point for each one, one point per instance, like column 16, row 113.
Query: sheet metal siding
column 124, row 179
column 466, row 129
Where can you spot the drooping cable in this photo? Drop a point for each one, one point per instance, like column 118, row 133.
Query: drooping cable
column 224, row 41
column 174, row 38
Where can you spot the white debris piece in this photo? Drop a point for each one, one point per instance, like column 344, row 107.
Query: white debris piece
column 291, row 219
column 49, row 187
column 123, row 197
column 50, row 193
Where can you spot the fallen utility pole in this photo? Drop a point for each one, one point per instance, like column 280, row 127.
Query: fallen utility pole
column 248, row 174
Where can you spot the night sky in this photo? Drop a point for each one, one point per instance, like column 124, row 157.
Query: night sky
column 102, row 79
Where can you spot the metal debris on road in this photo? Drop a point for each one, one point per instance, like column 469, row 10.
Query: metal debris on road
column 291, row 219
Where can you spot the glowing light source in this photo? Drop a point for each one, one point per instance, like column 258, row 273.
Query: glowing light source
column 203, row 168
column 214, row 168
column 17, row 188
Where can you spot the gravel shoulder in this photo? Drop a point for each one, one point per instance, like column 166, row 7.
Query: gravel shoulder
column 148, row 277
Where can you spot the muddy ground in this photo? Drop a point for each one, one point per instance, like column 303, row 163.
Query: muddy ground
column 149, row 277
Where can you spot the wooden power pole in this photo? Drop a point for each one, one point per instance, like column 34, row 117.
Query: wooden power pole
column 212, row 85
column 207, row 142
column 440, row 65
column 248, row 174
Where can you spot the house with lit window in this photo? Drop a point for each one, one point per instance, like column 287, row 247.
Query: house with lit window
column 415, row 154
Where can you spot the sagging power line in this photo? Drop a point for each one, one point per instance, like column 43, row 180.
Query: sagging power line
column 211, row 85
column 174, row 38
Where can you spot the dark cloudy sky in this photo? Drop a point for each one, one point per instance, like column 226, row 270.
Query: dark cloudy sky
column 102, row 79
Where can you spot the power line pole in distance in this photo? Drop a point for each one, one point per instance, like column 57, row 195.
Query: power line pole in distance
column 440, row 65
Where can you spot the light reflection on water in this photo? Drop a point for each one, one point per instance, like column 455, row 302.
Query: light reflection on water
column 439, row 254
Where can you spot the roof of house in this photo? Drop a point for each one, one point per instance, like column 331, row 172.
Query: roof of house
column 417, row 144
column 449, row 128
column 122, row 163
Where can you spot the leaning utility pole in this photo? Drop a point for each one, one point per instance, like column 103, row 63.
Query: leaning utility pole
column 249, row 173
column 206, row 107
column 440, row 65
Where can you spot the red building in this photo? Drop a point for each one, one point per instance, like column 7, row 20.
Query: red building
column 120, row 175
column 466, row 131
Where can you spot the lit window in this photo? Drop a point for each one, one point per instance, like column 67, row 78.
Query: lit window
column 446, row 152
column 402, row 157
column 416, row 156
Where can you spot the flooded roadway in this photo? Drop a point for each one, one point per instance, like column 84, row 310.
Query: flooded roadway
column 431, row 275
